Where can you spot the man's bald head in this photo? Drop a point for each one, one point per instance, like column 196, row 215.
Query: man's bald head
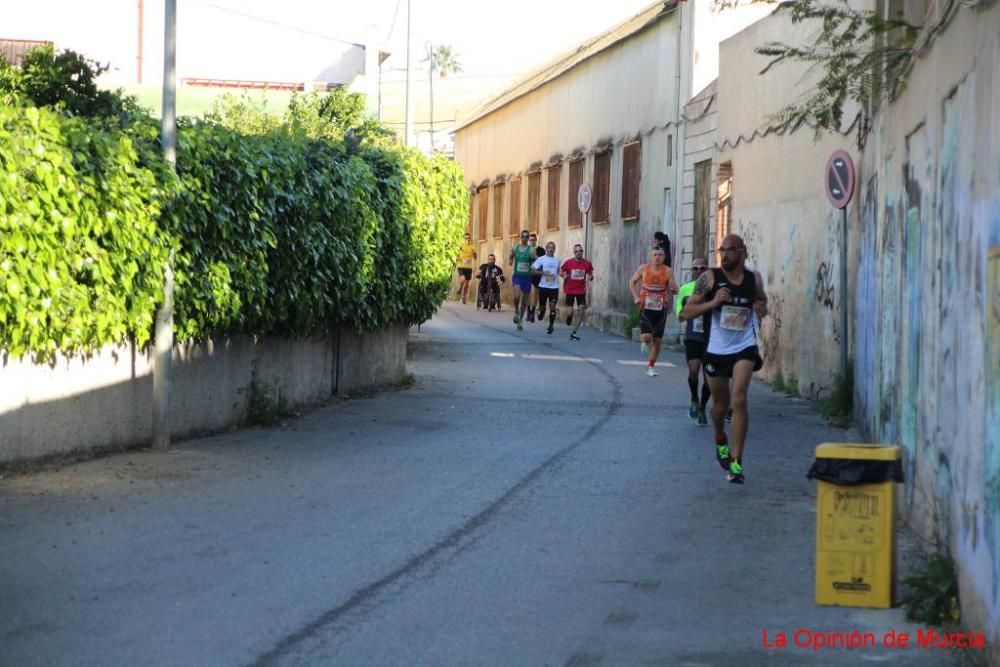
column 733, row 252
column 733, row 240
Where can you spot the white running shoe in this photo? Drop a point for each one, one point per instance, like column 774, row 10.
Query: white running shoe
column 644, row 347
column 651, row 372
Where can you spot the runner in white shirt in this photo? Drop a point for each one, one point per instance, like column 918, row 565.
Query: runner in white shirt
column 548, row 287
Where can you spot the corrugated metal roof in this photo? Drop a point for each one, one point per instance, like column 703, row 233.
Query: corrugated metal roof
column 567, row 61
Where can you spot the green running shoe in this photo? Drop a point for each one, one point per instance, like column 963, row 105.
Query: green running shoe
column 693, row 410
column 573, row 336
column 735, row 475
column 702, row 417
column 722, row 453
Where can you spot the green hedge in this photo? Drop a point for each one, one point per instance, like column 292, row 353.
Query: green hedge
column 273, row 233
column 81, row 253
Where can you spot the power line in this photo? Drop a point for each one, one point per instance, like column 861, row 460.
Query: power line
column 280, row 24
column 392, row 27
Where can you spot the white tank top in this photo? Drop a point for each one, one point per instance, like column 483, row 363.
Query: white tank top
column 734, row 325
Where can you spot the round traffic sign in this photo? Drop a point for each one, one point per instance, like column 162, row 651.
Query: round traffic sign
column 839, row 176
column 583, row 197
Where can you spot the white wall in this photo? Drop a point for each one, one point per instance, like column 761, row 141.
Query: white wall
column 103, row 401
column 779, row 207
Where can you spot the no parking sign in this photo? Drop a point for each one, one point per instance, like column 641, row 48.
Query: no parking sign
column 839, row 178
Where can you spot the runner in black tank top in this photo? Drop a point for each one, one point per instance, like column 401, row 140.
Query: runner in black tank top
column 732, row 345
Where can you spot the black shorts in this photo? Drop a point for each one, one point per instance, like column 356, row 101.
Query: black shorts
column 550, row 294
column 580, row 299
column 535, row 280
column 653, row 322
column 721, row 365
column 465, row 273
column 694, row 349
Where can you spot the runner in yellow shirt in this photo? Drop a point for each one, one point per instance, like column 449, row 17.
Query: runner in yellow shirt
column 466, row 259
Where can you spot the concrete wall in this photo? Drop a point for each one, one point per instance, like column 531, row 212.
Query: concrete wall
column 104, row 401
column 924, row 267
column 793, row 234
column 627, row 90
column 927, row 309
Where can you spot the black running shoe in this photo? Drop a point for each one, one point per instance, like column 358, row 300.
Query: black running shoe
column 729, row 416
column 569, row 320
column 549, row 330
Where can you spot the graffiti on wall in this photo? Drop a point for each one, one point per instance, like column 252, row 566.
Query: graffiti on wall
column 753, row 238
column 992, row 522
column 824, row 290
column 927, row 332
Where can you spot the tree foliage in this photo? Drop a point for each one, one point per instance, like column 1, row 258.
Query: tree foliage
column 860, row 55
column 442, row 59
column 66, row 81
column 332, row 115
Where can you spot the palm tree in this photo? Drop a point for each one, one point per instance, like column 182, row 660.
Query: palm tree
column 444, row 59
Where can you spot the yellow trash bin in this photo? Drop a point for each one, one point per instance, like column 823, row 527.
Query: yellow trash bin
column 855, row 524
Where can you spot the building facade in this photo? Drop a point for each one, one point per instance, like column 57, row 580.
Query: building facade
column 605, row 114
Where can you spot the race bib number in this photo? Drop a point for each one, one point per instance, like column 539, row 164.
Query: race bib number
column 523, row 267
column 577, row 274
column 734, row 318
column 698, row 325
column 653, row 302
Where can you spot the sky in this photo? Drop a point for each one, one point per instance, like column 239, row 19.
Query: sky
column 496, row 43
column 491, row 39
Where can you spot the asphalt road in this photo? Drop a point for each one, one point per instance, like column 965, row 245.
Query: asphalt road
column 528, row 501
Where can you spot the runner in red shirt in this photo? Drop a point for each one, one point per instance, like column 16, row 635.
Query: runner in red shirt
column 576, row 272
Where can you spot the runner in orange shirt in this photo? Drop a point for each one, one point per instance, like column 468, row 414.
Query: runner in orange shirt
column 653, row 287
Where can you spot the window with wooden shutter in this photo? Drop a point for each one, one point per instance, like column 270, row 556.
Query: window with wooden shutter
column 534, row 200
column 484, row 209
column 631, row 161
column 498, row 210
column 573, row 217
column 515, row 207
column 602, row 187
column 552, row 210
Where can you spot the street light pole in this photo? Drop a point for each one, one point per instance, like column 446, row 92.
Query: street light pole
column 408, row 122
column 430, row 77
column 164, row 335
